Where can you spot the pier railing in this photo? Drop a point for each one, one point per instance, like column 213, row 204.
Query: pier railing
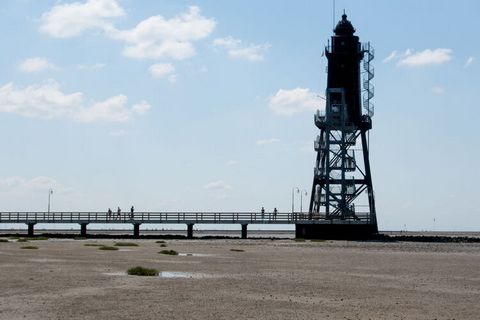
column 175, row 217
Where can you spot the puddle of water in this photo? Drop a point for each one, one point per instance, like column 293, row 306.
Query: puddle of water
column 46, row 260
column 175, row 274
column 187, row 254
column 169, row 275
column 115, row 273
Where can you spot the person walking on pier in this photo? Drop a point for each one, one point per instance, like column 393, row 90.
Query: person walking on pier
column 119, row 213
column 109, row 214
column 275, row 214
column 131, row 212
column 263, row 213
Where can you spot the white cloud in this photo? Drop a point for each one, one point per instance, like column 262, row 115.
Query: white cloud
column 390, row 57
column 153, row 38
column 236, row 49
column 39, row 101
column 14, row 183
column 158, row 38
column 163, row 70
column 218, row 185
column 426, row 57
column 35, row 65
column 469, row 62
column 47, row 101
column 73, row 19
column 438, row 90
column 95, row 66
column 263, row 142
column 141, row 108
column 288, row 102
column 112, row 109
column 21, row 191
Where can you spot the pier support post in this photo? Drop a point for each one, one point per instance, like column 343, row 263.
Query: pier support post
column 31, row 226
column 335, row 231
column 190, row 230
column 136, row 230
column 244, row 231
column 83, row 229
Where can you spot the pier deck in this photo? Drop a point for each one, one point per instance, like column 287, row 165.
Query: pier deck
column 188, row 218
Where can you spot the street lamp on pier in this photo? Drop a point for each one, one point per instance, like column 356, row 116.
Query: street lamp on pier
column 50, row 192
column 303, row 193
column 293, row 197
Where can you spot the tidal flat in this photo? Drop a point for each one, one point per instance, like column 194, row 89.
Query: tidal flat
column 259, row 279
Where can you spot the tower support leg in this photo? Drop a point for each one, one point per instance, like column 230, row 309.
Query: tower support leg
column 368, row 178
column 244, row 231
column 190, row 230
column 83, row 229
column 31, row 226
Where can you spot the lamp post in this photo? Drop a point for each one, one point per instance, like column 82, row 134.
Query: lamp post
column 50, row 192
column 304, row 192
column 293, row 197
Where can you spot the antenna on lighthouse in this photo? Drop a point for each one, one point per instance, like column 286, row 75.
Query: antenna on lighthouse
column 333, row 15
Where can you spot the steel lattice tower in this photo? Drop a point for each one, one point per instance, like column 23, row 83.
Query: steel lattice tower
column 342, row 203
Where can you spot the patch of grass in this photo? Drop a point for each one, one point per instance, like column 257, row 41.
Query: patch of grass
column 126, row 244
column 14, row 237
column 37, row 238
column 107, row 248
column 141, row 271
column 318, row 240
column 237, row 250
column 299, row 240
column 3, row 240
column 160, row 241
column 93, row 245
column 22, row 240
column 163, row 245
column 169, row 252
column 29, row 247
column 79, row 238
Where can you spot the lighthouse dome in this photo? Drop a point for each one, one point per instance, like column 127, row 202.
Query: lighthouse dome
column 344, row 27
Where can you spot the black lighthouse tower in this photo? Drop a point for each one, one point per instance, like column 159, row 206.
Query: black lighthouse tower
column 342, row 203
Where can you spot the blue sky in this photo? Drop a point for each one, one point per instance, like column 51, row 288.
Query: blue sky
column 208, row 105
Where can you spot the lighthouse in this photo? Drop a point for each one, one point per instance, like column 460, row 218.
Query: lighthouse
column 342, row 203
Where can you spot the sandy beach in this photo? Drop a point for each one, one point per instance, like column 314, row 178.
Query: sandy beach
column 279, row 279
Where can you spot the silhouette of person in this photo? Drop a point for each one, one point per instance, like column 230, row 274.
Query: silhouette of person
column 131, row 212
column 263, row 212
column 109, row 213
column 275, row 213
column 119, row 213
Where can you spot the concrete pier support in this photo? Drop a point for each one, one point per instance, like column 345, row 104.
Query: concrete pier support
column 335, row 231
column 244, row 231
column 136, row 230
column 83, row 229
column 190, row 230
column 31, row 226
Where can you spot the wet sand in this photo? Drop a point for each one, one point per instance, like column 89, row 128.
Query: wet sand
column 280, row 279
